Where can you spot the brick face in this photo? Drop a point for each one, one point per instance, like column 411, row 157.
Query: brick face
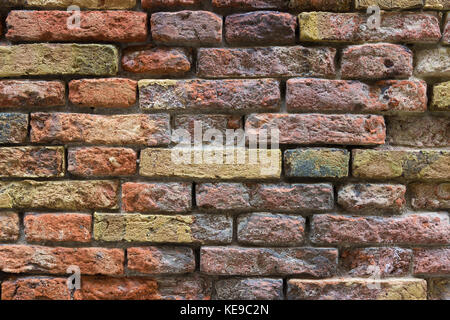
column 225, row 149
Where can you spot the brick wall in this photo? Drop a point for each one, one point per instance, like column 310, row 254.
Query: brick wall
column 356, row 208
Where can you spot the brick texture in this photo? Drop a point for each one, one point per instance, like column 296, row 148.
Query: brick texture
column 225, row 149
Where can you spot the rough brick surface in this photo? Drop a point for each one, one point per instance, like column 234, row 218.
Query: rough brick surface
column 389, row 5
column 446, row 34
column 390, row 96
column 161, row 260
column 69, row 227
column 130, row 129
column 333, row 129
column 13, row 127
column 437, row 4
column 103, row 26
column 85, row 4
column 33, row 94
column 439, row 289
column 322, row 5
column 432, row 261
column 167, row 4
column 260, row 28
column 377, row 61
column 264, row 261
column 433, row 63
column 250, row 4
column 35, row 289
column 32, row 162
column 429, row 228
column 441, row 97
column 266, row 62
column 9, row 226
column 430, row 195
column 249, row 289
column 186, row 28
column 103, row 93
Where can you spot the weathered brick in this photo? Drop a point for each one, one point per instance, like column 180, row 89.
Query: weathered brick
column 13, row 127
column 266, row 62
column 389, row 96
column 256, row 164
column 439, row 289
column 207, row 122
column 161, row 260
column 342, row 129
column 429, row 228
column 376, row 61
column 365, row 197
column 405, row 163
column 433, row 63
column 156, row 61
column 432, row 261
column 103, row 93
column 316, row 162
column 437, row 4
column 186, row 28
column 320, row 5
column 249, row 289
column 410, row 27
column 430, row 196
column 389, row 5
column 27, row 93
column 270, row 229
column 35, row 289
column 101, row 161
column 56, row 260
column 84, row 4
column 260, row 28
column 58, row 227
column 9, row 226
column 434, row 131
column 251, row 4
column 210, row 95
column 32, row 162
column 272, row 197
column 446, row 32
column 375, row 262
column 168, row 4
column 59, row 195
column 317, row 262
column 156, row 197
column 207, row 229
column 58, row 59
column 125, row 129
column 357, row 289
column 441, row 97
column 104, row 26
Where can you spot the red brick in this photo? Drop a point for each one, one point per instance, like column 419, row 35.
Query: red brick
column 156, row 197
column 249, row 289
column 186, row 28
column 56, row 260
column 27, row 93
column 9, row 226
column 58, row 227
column 376, row 61
column 433, row 262
column 430, row 228
column 266, row 62
column 125, row 129
column 273, row 197
column 35, row 289
column 446, row 35
column 168, row 4
column 409, row 27
column 375, row 262
column 32, row 162
column 102, row 161
column 434, row 130
column 390, row 96
column 365, row 197
column 260, row 28
column 103, row 93
column 320, row 5
column 108, row 26
column 250, row 4
column 316, row 262
column 270, row 229
column 210, row 95
column 156, row 61
column 430, row 196
column 342, row 129
column 13, row 127
column 161, row 260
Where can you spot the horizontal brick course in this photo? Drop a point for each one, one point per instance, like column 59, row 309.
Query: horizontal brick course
column 31, row 94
